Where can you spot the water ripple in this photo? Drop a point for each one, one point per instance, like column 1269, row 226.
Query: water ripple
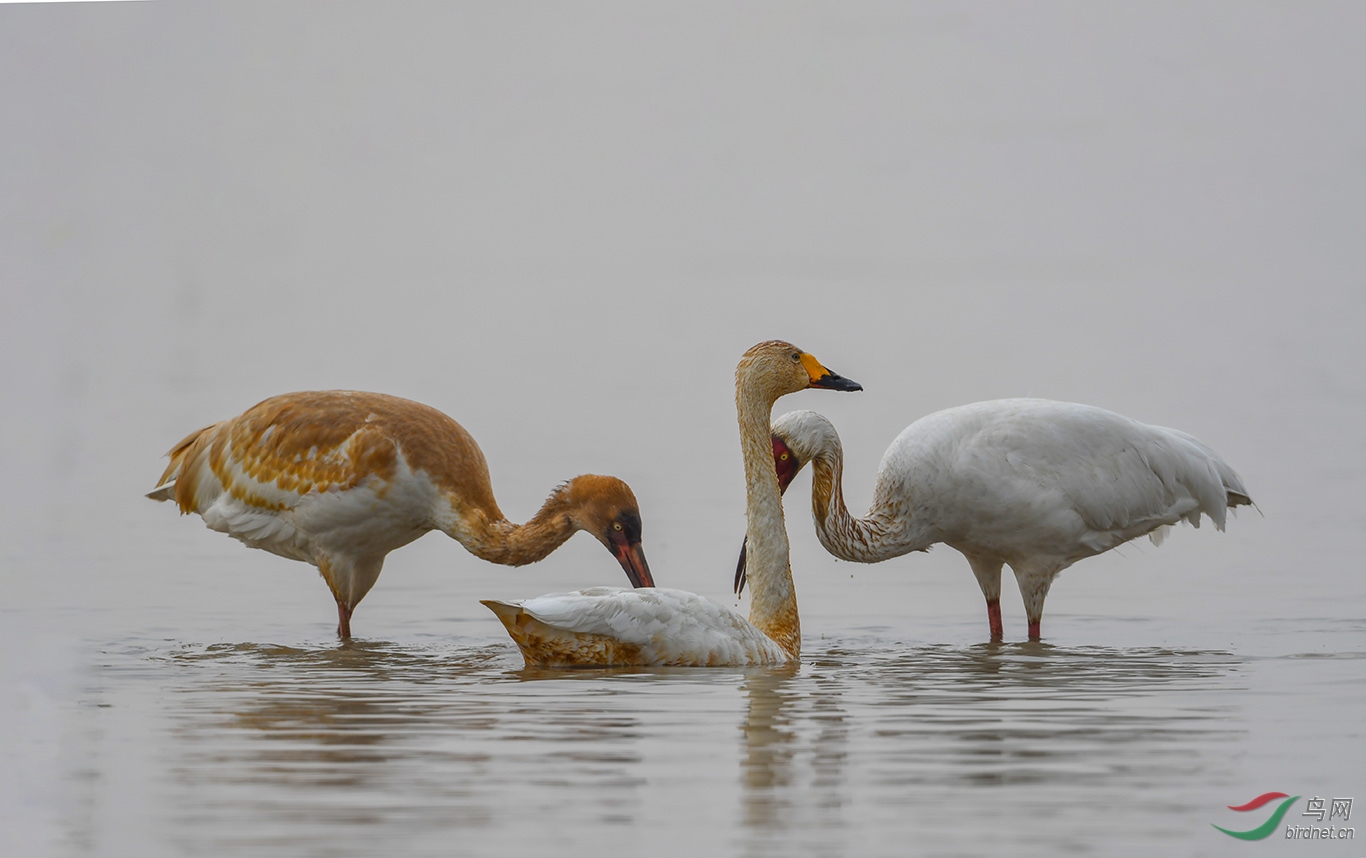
column 287, row 748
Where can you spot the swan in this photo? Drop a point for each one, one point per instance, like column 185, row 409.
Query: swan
column 1032, row 483
column 340, row 478
column 613, row 626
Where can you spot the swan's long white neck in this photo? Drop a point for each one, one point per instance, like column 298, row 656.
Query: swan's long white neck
column 880, row 535
column 773, row 598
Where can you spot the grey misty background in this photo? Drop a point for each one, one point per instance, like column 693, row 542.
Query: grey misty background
column 563, row 224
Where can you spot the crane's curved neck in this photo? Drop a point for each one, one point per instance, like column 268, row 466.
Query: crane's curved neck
column 497, row 540
column 773, row 598
column 878, row 536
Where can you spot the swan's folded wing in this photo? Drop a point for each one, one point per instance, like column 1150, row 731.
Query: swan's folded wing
column 669, row 626
column 638, row 616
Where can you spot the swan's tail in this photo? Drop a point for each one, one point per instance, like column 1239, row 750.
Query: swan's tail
column 507, row 612
column 544, row 645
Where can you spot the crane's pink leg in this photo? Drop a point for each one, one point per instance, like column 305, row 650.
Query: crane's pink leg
column 998, row 631
column 343, row 621
column 1034, row 582
column 988, row 573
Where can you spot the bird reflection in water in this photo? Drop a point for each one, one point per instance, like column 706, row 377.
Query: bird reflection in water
column 852, row 722
column 341, row 716
column 370, row 739
column 370, row 735
column 789, row 780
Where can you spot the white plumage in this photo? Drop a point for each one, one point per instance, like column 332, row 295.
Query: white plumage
column 1031, row 483
column 665, row 626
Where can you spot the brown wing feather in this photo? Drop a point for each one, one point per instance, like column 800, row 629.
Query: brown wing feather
column 177, row 453
column 321, row 440
column 177, row 474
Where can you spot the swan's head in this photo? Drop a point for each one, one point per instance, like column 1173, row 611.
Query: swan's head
column 777, row 368
column 798, row 438
column 606, row 507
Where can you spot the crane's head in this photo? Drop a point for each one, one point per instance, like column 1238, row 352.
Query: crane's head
column 801, row 437
column 786, row 462
column 606, row 508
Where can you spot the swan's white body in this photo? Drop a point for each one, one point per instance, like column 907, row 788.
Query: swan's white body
column 1031, row 483
column 615, row 625
column 611, row 626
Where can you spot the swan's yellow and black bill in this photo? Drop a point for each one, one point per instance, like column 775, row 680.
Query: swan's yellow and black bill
column 824, row 378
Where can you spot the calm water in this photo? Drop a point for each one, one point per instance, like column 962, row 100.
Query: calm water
column 444, row 743
column 562, row 225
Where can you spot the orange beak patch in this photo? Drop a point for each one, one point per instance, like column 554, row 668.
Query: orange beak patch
column 821, row 377
column 813, row 367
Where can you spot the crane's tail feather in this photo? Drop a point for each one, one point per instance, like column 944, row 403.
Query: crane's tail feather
column 183, row 455
column 1222, row 476
column 163, row 492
